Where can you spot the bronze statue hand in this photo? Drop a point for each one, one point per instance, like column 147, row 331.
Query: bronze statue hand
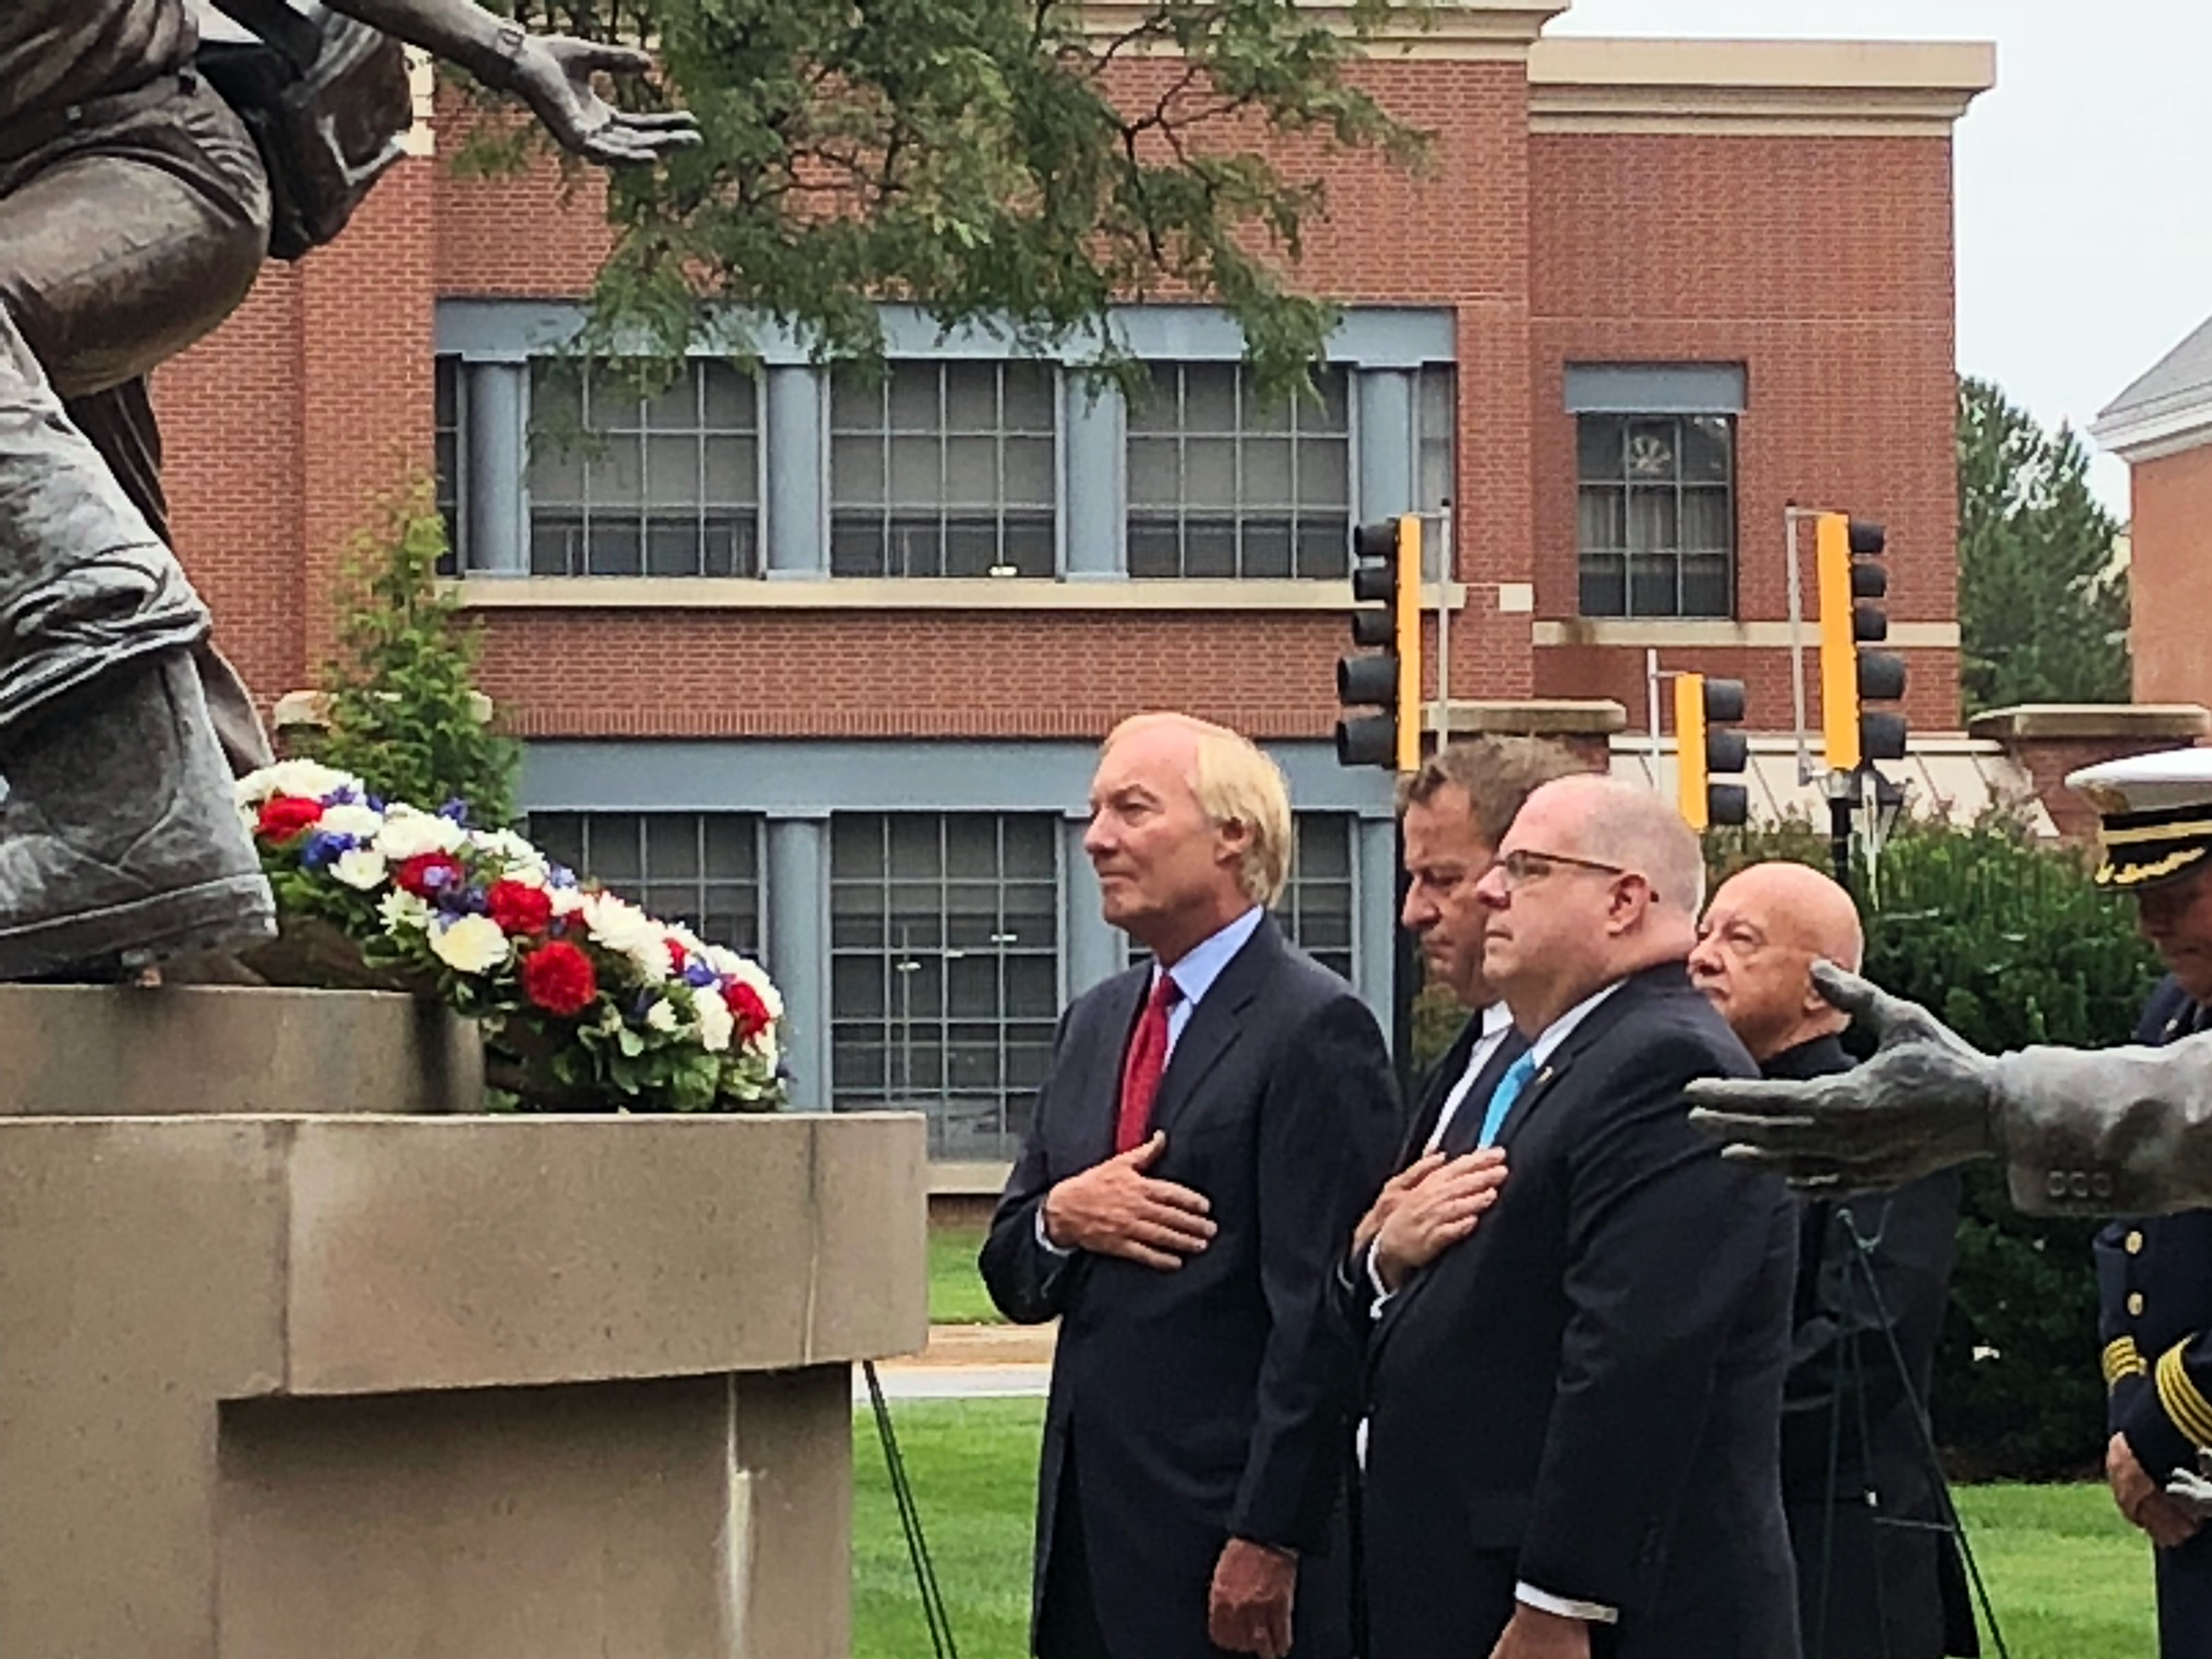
column 552, row 74
column 1922, row 1104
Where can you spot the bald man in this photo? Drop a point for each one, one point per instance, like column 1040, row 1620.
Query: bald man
column 1573, row 1409
column 1873, row 1581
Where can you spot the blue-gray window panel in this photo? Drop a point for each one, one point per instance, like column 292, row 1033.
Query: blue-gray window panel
column 450, row 425
column 1655, row 389
column 702, row 869
column 1319, row 906
column 945, row 944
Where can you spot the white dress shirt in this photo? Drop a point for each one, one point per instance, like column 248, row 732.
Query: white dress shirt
column 1497, row 1020
column 1194, row 973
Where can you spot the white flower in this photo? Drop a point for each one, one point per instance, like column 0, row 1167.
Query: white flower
column 404, row 913
column 294, row 777
column 469, row 944
column 566, row 901
column 362, row 867
column 763, row 1042
column 621, row 925
column 716, row 1026
column 519, row 861
column 345, row 819
column 409, row 833
column 662, row 1017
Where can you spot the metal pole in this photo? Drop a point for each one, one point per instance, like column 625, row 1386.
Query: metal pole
column 1839, row 828
column 1443, row 624
column 1651, row 710
column 1791, row 514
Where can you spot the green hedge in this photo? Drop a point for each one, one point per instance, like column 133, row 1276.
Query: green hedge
column 2011, row 945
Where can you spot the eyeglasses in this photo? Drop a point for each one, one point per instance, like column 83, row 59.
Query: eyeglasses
column 1518, row 869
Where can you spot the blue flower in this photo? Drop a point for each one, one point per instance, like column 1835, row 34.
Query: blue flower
column 322, row 849
column 559, row 875
column 457, row 810
column 699, row 975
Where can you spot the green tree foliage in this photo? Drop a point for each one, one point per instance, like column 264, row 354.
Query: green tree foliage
column 988, row 163
column 2010, row 944
column 400, row 696
column 2043, row 613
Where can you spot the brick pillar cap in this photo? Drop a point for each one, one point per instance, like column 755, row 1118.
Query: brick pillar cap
column 1541, row 717
column 2126, row 722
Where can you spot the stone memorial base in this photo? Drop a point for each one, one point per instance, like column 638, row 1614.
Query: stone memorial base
column 360, row 1384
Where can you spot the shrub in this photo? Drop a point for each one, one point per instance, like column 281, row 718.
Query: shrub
column 2010, row 944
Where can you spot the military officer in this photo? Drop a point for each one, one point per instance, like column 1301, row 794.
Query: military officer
column 2154, row 1276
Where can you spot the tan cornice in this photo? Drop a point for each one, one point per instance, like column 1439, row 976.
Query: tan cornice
column 1756, row 88
column 1501, row 31
column 1697, row 634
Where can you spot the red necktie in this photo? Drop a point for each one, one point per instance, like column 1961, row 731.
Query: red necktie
column 1147, row 1059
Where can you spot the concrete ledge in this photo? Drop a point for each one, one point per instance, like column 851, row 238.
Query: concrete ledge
column 2126, row 722
column 117, row 1051
column 1558, row 717
column 977, row 593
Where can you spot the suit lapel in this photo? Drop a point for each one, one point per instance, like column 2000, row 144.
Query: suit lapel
column 1100, row 1109
column 1448, row 1071
column 1633, row 992
column 1215, row 1023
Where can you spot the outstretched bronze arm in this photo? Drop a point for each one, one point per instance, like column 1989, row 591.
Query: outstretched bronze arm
column 2104, row 1131
column 551, row 73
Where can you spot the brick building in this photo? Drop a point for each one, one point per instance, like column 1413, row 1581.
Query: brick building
column 2161, row 426
column 825, row 663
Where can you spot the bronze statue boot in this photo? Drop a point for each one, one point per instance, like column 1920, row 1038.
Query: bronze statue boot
column 121, row 841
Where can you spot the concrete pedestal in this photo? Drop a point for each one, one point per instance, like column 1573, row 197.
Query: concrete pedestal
column 275, row 1384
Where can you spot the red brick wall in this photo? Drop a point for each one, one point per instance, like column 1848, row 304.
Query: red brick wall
column 1824, row 265
column 2171, row 540
column 1553, row 249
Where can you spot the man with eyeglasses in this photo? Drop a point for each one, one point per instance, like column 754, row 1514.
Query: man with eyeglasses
column 1876, row 1578
column 1574, row 1411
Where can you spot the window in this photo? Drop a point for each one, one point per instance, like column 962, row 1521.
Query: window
column 450, row 421
column 1656, row 509
column 944, row 963
column 1318, row 903
column 625, row 485
column 1436, row 451
column 701, row 869
column 1220, row 485
column 944, row 468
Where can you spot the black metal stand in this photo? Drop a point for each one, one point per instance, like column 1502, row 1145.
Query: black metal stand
column 1840, row 838
column 917, row 1548
column 1854, row 1384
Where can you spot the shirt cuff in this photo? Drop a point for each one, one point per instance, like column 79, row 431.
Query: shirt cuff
column 1595, row 1611
column 1044, row 1244
column 1383, row 1292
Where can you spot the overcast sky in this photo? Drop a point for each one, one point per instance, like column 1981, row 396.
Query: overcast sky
column 2084, row 219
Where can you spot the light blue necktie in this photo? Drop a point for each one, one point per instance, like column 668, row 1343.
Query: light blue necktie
column 1501, row 1097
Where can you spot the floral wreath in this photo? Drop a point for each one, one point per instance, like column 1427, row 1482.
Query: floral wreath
column 585, row 1001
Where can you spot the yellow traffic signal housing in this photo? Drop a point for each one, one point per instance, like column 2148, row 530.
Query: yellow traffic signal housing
column 1851, row 676
column 1386, row 580
column 1701, row 705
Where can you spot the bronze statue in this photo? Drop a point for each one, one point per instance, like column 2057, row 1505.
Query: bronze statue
column 136, row 210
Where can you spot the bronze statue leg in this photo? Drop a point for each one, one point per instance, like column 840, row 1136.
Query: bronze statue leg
column 119, row 843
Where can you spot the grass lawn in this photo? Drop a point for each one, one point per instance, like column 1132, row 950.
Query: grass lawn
column 2070, row 1580
column 957, row 1296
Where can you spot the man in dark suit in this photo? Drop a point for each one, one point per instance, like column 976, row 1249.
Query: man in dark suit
column 1876, row 1579
column 1213, row 1121
column 1574, row 1411
column 1454, row 812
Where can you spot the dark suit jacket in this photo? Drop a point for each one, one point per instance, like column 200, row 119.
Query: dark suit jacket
column 1586, row 1394
column 1869, row 1589
column 1213, row 1400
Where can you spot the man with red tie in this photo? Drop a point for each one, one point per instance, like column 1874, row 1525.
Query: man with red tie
column 1214, row 1120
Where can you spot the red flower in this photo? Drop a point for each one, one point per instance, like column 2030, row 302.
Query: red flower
column 747, row 1006
column 283, row 816
column 558, row 978
column 427, row 874
column 518, row 907
column 679, row 960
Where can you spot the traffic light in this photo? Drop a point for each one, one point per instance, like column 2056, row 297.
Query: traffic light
column 1851, row 675
column 1386, row 573
column 1700, row 706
